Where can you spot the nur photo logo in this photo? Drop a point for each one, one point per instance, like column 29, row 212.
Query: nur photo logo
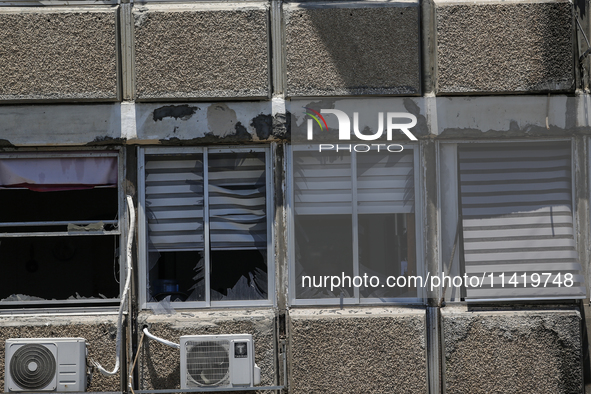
column 394, row 122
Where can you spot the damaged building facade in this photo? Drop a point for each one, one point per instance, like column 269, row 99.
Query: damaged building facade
column 201, row 112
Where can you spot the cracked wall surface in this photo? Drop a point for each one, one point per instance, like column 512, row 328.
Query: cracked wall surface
column 512, row 352
column 359, row 350
column 496, row 47
column 201, row 51
column 58, row 54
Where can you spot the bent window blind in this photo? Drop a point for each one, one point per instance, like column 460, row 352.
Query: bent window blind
column 517, row 218
column 237, row 210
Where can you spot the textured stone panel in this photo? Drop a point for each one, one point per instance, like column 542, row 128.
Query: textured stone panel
column 159, row 365
column 201, row 51
column 99, row 332
column 365, row 350
column 58, row 53
column 352, row 49
column 492, row 47
column 512, row 352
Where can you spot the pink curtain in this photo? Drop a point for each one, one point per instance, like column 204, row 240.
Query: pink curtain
column 54, row 174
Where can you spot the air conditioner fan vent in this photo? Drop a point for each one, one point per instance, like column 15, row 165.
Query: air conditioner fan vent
column 32, row 367
column 208, row 363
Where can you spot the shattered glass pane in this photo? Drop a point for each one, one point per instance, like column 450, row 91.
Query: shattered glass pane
column 238, row 275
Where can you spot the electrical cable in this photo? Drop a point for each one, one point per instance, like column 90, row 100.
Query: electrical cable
column 164, row 341
column 102, row 370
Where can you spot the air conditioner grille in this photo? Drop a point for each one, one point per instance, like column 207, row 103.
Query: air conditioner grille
column 32, row 367
column 208, row 363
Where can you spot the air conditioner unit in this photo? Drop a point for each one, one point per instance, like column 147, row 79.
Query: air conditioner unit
column 218, row 361
column 45, row 364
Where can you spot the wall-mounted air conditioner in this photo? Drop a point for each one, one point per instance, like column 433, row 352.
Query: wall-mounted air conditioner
column 45, row 364
column 218, row 361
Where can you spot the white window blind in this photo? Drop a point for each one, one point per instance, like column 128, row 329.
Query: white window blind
column 385, row 182
column 237, row 217
column 516, row 205
column 323, row 183
column 174, row 202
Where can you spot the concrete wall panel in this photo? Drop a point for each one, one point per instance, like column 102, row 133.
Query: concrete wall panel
column 159, row 365
column 99, row 332
column 512, row 352
column 515, row 46
column 63, row 124
column 352, row 48
column 361, row 350
column 211, row 123
column 201, row 51
column 58, row 54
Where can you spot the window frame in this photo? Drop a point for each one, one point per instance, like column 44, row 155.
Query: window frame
column 121, row 231
column 357, row 299
column 451, row 178
column 143, row 228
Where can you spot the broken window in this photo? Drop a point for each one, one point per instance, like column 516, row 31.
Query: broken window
column 206, row 225
column 508, row 222
column 59, row 227
column 353, row 216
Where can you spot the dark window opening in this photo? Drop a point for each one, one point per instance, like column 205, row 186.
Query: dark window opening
column 324, row 247
column 59, row 268
column 55, row 246
column 238, row 275
column 386, row 248
column 179, row 275
column 89, row 205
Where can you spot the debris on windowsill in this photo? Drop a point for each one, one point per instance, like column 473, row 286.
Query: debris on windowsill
column 164, row 307
column 21, row 297
column 79, row 297
column 24, row 297
column 99, row 226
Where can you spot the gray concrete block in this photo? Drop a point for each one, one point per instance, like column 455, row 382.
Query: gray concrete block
column 512, row 352
column 159, row 365
column 58, row 54
column 201, row 51
column 359, row 350
column 357, row 48
column 67, row 124
column 99, row 332
column 501, row 47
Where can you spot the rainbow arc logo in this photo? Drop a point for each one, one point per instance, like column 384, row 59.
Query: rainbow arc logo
column 316, row 117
